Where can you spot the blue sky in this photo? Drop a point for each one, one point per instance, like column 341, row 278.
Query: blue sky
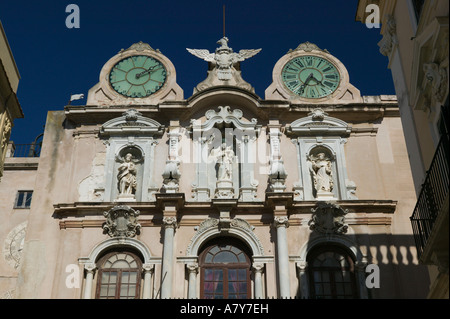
column 55, row 61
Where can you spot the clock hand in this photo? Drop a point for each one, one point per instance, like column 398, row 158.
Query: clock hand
column 302, row 88
column 318, row 82
column 150, row 69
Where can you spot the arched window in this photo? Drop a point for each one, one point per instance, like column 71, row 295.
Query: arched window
column 331, row 273
column 119, row 276
column 225, row 270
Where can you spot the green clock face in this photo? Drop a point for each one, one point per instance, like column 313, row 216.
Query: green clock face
column 310, row 77
column 138, row 76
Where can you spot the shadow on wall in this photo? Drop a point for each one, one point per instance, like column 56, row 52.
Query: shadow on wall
column 338, row 264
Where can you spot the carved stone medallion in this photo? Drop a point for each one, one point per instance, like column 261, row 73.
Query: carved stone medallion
column 121, row 221
column 328, row 218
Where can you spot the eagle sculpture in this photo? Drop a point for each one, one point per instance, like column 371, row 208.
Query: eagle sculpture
column 224, row 57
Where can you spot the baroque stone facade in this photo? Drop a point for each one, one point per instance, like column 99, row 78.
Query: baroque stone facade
column 223, row 194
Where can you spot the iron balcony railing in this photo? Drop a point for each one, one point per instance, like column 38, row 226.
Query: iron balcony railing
column 432, row 196
column 25, row 150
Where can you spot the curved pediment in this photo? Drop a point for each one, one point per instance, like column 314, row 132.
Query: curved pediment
column 319, row 123
column 132, row 122
column 225, row 116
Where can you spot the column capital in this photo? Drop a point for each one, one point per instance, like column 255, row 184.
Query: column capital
column 301, row 265
column 90, row 267
column 192, row 267
column 281, row 221
column 258, row 267
column 170, row 222
column 148, row 268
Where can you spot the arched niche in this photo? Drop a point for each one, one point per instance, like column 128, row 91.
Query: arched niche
column 319, row 132
column 137, row 135
column 224, row 131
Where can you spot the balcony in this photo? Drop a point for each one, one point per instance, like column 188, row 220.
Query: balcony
column 24, row 150
column 430, row 216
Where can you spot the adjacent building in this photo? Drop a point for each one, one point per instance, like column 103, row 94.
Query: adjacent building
column 415, row 41
column 145, row 193
column 9, row 104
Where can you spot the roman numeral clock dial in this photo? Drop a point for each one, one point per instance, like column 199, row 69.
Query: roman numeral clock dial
column 138, row 76
column 310, row 77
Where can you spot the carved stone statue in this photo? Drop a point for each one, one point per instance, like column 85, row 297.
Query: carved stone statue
column 224, row 57
column 126, row 177
column 321, row 172
column 225, row 160
column 437, row 76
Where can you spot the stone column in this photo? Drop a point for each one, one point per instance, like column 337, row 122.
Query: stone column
column 303, row 279
column 360, row 274
column 258, row 269
column 90, row 269
column 170, row 223
column 281, row 223
column 148, row 281
column 192, row 288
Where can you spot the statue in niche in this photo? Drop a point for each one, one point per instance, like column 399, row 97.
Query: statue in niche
column 321, row 172
column 225, row 160
column 126, row 177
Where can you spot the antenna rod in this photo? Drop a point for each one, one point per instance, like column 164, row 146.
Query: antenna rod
column 224, row 21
